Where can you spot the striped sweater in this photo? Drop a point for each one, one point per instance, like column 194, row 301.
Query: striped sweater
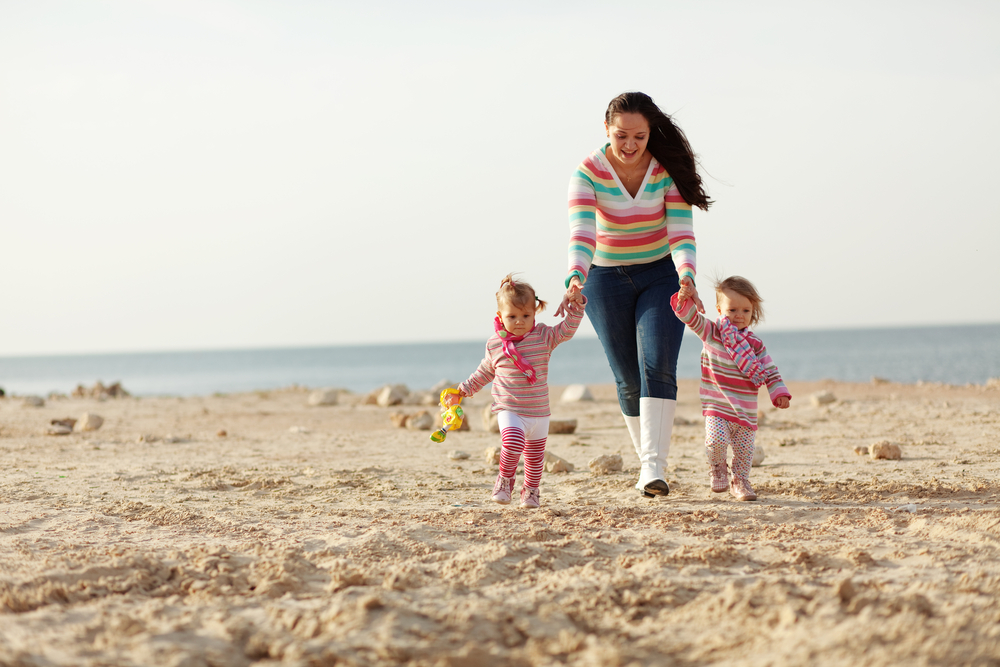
column 610, row 228
column 725, row 391
column 511, row 390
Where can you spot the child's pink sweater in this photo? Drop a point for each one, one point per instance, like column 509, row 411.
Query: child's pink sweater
column 511, row 390
column 725, row 391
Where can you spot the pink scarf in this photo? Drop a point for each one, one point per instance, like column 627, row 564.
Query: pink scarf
column 508, row 340
column 735, row 342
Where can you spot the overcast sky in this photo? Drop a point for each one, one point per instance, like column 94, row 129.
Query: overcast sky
column 205, row 174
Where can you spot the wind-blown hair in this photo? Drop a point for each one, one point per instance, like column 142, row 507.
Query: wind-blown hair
column 519, row 294
column 667, row 143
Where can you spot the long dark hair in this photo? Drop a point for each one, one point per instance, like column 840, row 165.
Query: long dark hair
column 667, row 143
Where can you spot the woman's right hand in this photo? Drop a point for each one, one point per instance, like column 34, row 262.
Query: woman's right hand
column 574, row 295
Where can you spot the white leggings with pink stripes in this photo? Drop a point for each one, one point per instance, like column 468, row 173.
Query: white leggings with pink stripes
column 523, row 434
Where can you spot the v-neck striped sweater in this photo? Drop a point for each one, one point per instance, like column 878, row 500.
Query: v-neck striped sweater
column 608, row 227
column 511, row 390
column 725, row 392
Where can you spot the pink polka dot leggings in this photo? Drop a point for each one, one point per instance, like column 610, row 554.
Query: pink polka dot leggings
column 525, row 435
column 719, row 435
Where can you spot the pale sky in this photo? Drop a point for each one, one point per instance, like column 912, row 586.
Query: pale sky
column 180, row 175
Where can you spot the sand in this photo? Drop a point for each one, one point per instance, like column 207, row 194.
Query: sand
column 325, row 536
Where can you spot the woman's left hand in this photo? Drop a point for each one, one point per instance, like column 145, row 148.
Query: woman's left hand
column 689, row 291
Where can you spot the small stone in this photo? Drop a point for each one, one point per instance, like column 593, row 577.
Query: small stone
column 173, row 439
column 883, row 449
column 298, row 429
column 458, row 455
column 68, row 422
column 88, row 422
column 861, row 450
column 558, row 426
column 493, row 455
column 758, row 455
column 393, row 394
column 58, row 429
column 420, row 398
column 554, row 463
column 576, row 393
column 222, row 433
column 822, row 398
column 32, row 402
column 490, row 422
column 845, row 590
column 605, row 464
column 422, row 421
column 399, row 419
column 324, row 397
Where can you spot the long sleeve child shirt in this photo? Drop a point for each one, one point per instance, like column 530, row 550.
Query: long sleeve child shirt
column 608, row 227
column 511, row 389
column 725, row 391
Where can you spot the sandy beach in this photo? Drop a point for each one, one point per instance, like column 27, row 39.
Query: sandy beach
column 327, row 536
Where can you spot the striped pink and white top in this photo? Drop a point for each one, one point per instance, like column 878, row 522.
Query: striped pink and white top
column 511, row 390
column 725, row 391
column 608, row 227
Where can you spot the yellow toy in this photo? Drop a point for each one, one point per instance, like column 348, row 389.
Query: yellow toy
column 452, row 417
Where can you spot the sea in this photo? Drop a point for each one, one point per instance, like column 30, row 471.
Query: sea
column 956, row 355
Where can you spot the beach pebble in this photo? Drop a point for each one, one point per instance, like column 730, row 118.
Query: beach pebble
column 758, row 455
column 298, row 429
column 845, row 590
column 861, row 450
column 421, row 398
column 221, row 433
column 883, row 449
column 493, row 455
column 562, row 426
column 68, row 422
column 421, row 421
column 555, row 463
column 88, row 422
column 576, row 393
column 490, row 422
column 458, row 455
column 442, row 385
column 174, row 439
column 399, row 419
column 392, row 394
column 822, row 398
column 58, row 429
column 324, row 397
column 32, row 402
column 605, row 464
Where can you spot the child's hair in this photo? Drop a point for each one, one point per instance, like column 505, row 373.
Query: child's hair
column 519, row 294
column 744, row 288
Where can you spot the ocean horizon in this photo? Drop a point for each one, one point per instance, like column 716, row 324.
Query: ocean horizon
column 958, row 355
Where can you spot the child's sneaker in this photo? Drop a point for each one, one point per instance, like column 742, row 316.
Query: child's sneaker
column 741, row 489
column 719, row 475
column 503, row 490
column 529, row 497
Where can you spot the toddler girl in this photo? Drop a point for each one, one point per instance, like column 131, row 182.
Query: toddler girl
column 734, row 363
column 517, row 362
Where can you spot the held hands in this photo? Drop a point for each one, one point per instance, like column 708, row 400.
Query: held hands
column 689, row 291
column 573, row 298
column 782, row 402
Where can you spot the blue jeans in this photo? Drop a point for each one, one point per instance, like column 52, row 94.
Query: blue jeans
column 629, row 307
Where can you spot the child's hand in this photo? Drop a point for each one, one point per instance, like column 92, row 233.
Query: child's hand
column 782, row 402
column 689, row 291
column 573, row 297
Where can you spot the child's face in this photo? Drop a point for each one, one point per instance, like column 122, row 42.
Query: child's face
column 736, row 307
column 517, row 320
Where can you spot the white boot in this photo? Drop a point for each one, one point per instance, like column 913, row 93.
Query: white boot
column 656, row 423
column 632, row 424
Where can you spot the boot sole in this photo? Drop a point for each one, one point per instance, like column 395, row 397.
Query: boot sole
column 657, row 487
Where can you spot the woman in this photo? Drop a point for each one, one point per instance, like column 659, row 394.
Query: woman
column 631, row 247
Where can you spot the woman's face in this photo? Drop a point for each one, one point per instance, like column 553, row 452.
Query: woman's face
column 629, row 133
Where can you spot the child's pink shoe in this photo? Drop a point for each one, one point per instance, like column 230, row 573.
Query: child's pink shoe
column 529, row 498
column 719, row 475
column 503, row 490
column 741, row 489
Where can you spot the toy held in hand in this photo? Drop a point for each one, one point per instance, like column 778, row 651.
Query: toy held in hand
column 452, row 417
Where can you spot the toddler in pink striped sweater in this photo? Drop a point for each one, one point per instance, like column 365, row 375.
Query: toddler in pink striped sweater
column 517, row 363
column 734, row 364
